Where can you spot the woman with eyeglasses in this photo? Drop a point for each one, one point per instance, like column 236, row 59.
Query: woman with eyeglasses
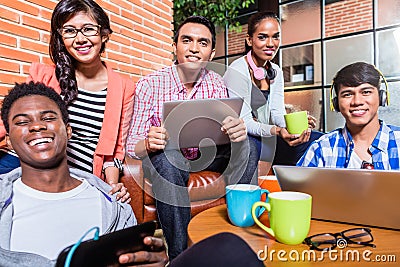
column 260, row 83
column 99, row 100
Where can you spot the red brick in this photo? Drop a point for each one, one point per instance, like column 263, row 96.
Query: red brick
column 9, row 15
column 143, row 13
column 8, row 40
column 162, row 22
column 121, row 21
column 118, row 57
column 47, row 60
column 19, row 30
column 7, row 65
column 121, row 39
column 131, row 16
column 132, row 35
column 151, row 9
column 21, row 6
column 163, row 38
column 114, row 46
column 124, row 4
column 4, row 89
column 142, row 63
column 151, row 41
column 46, row 4
column 17, row 55
column 131, row 51
column 144, row 30
column 11, row 78
column 46, row 14
column 162, row 53
column 36, row 23
column 163, row 6
column 34, row 46
column 141, row 46
column 129, row 68
column 109, row 7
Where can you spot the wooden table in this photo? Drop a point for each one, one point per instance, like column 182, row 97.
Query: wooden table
column 215, row 220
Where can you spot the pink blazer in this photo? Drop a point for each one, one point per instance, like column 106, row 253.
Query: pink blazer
column 117, row 114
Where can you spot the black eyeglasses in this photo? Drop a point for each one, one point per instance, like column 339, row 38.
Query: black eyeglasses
column 87, row 30
column 327, row 241
column 367, row 165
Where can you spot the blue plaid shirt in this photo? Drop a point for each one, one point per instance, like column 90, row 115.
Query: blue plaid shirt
column 333, row 150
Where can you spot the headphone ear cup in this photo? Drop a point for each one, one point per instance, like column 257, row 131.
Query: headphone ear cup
column 259, row 73
column 335, row 104
column 382, row 98
column 271, row 73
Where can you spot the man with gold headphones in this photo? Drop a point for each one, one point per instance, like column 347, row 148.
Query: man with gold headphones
column 365, row 141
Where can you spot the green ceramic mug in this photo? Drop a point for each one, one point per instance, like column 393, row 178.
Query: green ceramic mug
column 289, row 216
column 296, row 122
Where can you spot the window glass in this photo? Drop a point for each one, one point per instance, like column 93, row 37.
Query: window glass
column 343, row 51
column 301, row 65
column 301, row 21
column 334, row 119
column 388, row 52
column 310, row 100
column 390, row 114
column 342, row 17
column 388, row 12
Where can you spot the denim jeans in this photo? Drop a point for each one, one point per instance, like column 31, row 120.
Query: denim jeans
column 285, row 154
column 223, row 249
column 169, row 171
column 8, row 162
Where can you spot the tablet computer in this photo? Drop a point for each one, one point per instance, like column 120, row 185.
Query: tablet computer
column 197, row 122
column 106, row 250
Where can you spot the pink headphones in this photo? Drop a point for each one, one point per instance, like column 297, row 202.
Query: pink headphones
column 260, row 73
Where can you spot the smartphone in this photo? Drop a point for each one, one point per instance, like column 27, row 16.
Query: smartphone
column 106, row 250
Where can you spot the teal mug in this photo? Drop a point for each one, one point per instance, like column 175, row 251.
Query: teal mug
column 239, row 200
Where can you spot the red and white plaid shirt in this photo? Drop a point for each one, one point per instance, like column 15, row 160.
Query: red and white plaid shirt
column 162, row 86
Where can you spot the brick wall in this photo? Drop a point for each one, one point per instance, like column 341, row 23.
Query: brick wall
column 348, row 16
column 236, row 40
column 140, row 43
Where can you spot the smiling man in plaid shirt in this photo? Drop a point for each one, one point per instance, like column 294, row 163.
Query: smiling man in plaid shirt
column 194, row 45
column 365, row 141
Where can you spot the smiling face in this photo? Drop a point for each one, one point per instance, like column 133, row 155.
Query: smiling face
column 84, row 49
column 359, row 105
column 37, row 132
column 194, row 44
column 265, row 40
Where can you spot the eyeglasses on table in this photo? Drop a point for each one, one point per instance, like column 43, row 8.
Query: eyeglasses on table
column 327, row 241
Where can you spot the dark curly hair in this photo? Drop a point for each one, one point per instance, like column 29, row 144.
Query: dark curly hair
column 199, row 20
column 29, row 89
column 65, row 63
column 255, row 20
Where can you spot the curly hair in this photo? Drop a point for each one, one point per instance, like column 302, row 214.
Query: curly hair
column 65, row 63
column 30, row 89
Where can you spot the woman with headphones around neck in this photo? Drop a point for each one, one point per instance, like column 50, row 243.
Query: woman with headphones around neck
column 260, row 82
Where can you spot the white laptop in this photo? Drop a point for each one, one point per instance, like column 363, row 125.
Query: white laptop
column 360, row 196
column 197, row 122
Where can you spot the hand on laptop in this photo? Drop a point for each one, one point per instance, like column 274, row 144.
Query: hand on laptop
column 156, row 139
column 157, row 256
column 234, row 128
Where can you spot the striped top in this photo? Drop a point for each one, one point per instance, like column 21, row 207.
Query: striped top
column 86, row 114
